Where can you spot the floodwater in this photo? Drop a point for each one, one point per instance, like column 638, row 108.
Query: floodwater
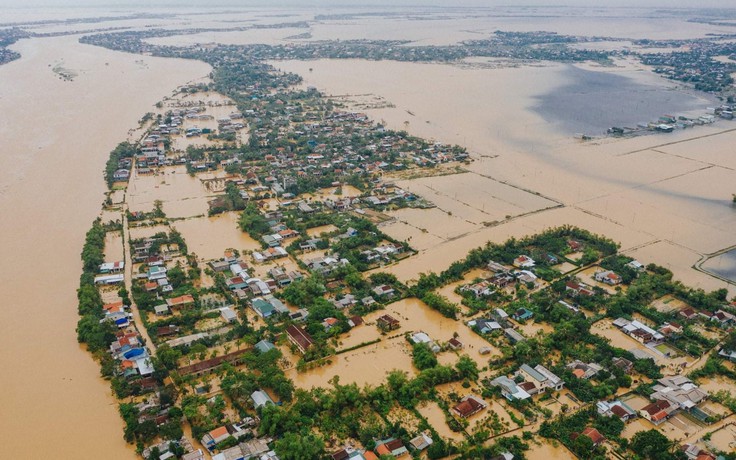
column 545, row 450
column 723, row 265
column 594, row 101
column 209, row 237
column 54, row 405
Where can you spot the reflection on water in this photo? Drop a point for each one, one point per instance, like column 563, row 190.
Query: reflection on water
column 593, row 101
column 723, row 265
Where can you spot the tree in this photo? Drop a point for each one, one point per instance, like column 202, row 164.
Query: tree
column 294, row 446
column 423, row 356
column 168, row 356
column 467, row 368
column 652, row 445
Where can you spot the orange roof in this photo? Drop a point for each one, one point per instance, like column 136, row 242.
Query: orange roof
column 113, row 305
column 218, row 432
column 383, row 450
column 181, row 300
column 579, row 373
column 127, row 364
column 369, row 455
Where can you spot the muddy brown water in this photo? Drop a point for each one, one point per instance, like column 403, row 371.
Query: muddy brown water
column 54, row 405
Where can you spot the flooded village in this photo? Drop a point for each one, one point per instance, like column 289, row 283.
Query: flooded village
column 290, row 264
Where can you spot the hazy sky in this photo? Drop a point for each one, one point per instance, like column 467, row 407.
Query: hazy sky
column 307, row 3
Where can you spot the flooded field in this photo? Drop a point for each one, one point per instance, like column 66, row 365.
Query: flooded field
column 547, row 450
column 114, row 247
column 181, row 194
column 666, row 197
column 575, row 107
column 209, row 237
column 724, row 439
column 723, row 265
column 371, row 363
column 365, row 366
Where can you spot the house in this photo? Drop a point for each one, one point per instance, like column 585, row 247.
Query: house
column 688, row 313
column 421, row 337
column 480, row 289
column 268, row 306
column 496, row 267
column 455, row 344
column 657, row 412
column 260, row 399
column 623, row 364
column 161, row 310
column 670, row 328
column 195, row 455
column 679, row 391
column 594, row 435
column 214, row 437
column 109, row 279
column 513, row 335
column 500, row 315
column 575, row 288
column 264, row 346
column 391, row 446
column 219, row 266
column 384, row 290
column 509, row 389
column 523, row 262
column 236, row 282
column 608, row 277
column 299, row 315
column 616, row 408
column 228, row 315
column 208, row 365
column 526, row 277
column 156, row 273
column 421, row 442
column 468, row 406
column 347, row 301
column 728, row 354
column 638, row 330
column 541, row 376
column 522, row 314
column 484, row 326
column 367, row 301
column 574, row 245
column 387, row 323
column 724, row 318
column 112, row 267
column 300, row 338
column 636, row 265
column 582, row 370
column 180, row 301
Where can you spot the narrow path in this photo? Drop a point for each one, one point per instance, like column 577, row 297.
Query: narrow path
column 129, row 281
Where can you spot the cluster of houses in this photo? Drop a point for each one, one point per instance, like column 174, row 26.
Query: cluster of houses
column 671, row 395
column 499, row 321
column 387, row 447
column 527, row 382
column 249, row 447
column 640, row 331
column 504, row 277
